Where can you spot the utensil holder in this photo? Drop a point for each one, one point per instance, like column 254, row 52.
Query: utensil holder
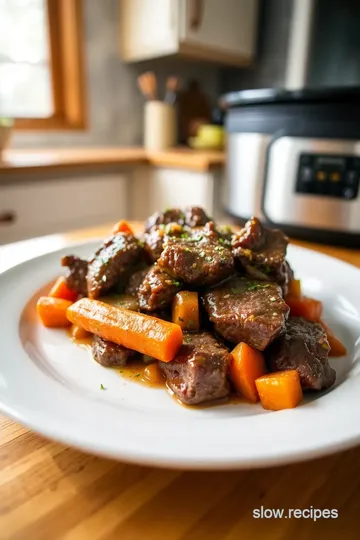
column 159, row 125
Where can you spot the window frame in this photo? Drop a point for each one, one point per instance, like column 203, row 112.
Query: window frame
column 66, row 40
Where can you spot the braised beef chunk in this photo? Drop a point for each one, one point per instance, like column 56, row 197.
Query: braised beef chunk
column 111, row 263
column 157, row 289
column 249, row 311
column 135, row 281
column 155, row 238
column 76, row 278
column 261, row 252
column 199, row 371
column 171, row 215
column 195, row 216
column 197, row 263
column 303, row 347
column 110, row 354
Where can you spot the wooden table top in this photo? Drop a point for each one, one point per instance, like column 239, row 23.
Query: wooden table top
column 49, row 491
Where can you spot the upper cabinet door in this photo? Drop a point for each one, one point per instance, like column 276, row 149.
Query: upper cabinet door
column 148, row 28
column 220, row 28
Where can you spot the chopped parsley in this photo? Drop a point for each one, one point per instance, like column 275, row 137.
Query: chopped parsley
column 137, row 375
column 257, row 286
column 102, row 387
column 267, row 269
column 187, row 249
column 176, row 283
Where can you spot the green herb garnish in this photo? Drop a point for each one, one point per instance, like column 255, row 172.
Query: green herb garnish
column 102, row 387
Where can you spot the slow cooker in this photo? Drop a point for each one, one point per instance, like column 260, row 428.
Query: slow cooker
column 293, row 159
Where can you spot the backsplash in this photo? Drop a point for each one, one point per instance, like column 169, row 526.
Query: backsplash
column 270, row 65
column 114, row 101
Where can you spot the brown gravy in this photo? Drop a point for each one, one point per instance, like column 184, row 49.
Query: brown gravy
column 135, row 371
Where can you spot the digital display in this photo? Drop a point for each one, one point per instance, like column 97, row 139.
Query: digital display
column 329, row 176
column 331, row 161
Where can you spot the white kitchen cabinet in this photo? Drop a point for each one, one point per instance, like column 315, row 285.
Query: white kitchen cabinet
column 219, row 31
column 46, row 206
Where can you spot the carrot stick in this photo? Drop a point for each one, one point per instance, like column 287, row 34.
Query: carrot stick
column 52, row 311
column 336, row 347
column 143, row 333
column 185, row 310
column 279, row 390
column 309, row 308
column 60, row 289
column 246, row 366
column 122, row 226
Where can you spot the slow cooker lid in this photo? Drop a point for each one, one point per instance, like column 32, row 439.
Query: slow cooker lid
column 280, row 95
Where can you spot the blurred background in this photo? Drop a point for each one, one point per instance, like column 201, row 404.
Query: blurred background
column 115, row 109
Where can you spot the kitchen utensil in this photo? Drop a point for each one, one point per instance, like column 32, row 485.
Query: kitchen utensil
column 172, row 88
column 148, row 85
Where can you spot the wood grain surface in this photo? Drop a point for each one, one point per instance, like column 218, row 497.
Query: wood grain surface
column 49, row 491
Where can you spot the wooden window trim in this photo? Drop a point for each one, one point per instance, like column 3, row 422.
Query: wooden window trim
column 66, row 38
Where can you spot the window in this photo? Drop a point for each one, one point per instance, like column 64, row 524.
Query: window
column 41, row 75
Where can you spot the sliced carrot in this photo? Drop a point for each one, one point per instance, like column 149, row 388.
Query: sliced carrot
column 52, row 311
column 185, row 310
column 309, row 308
column 294, row 288
column 336, row 347
column 142, row 333
column 279, row 390
column 60, row 289
column 246, row 366
column 77, row 332
column 122, row 226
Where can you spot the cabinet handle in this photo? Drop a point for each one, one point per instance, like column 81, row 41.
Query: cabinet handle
column 196, row 14
column 7, row 217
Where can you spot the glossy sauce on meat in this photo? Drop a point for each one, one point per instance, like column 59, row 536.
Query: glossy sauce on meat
column 240, row 279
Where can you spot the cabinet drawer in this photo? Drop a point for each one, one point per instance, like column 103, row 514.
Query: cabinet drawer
column 51, row 206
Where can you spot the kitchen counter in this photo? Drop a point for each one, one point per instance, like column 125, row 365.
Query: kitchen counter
column 49, row 490
column 15, row 162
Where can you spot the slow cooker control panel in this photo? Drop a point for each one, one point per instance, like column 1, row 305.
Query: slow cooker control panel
column 328, row 175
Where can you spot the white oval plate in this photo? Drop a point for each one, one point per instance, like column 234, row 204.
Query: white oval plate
column 52, row 386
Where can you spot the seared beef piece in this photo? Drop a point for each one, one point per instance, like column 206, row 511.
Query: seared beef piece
column 157, row 289
column 155, row 238
column 304, row 347
column 76, row 278
column 197, row 262
column 172, row 215
column 198, row 373
column 110, row 354
column 249, row 311
column 111, row 263
column 261, row 252
column 135, row 281
column 195, row 216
